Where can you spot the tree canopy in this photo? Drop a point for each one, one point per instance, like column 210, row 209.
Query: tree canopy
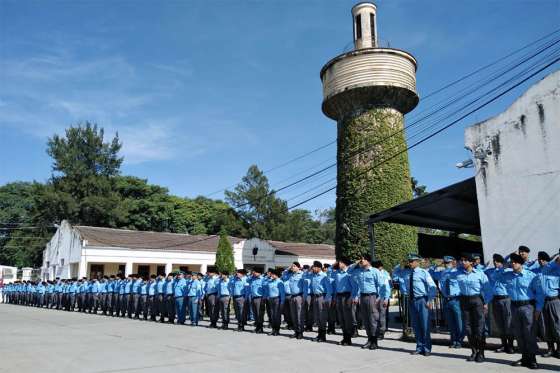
column 87, row 188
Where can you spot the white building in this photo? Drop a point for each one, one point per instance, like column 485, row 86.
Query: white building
column 7, row 274
column 517, row 158
column 80, row 251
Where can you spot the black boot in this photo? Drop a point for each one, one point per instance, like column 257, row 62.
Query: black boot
column 299, row 335
column 344, row 341
column 509, row 347
column 532, row 362
column 550, row 350
column 503, row 347
column 355, row 332
column 473, row 344
column 367, row 344
column 373, row 345
column 479, row 358
column 295, row 335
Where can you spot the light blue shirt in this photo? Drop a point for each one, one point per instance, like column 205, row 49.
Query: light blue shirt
column 211, row 285
column 256, row 285
column 224, row 287
column 370, row 281
column 320, row 284
column 473, row 283
column 240, row 286
column 152, row 287
column 275, row 289
column 179, row 289
column 297, row 283
column 344, row 283
column 195, row 289
column 448, row 284
column 523, row 286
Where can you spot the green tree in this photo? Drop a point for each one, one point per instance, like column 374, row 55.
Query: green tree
column 19, row 245
column 224, row 255
column 258, row 206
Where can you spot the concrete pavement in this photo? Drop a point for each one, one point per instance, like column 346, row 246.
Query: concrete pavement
column 44, row 340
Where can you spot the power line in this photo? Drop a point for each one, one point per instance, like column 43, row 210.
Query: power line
column 438, row 131
column 370, row 146
column 433, row 93
column 472, row 102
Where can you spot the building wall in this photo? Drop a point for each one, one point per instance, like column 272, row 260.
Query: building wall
column 62, row 254
column 518, row 179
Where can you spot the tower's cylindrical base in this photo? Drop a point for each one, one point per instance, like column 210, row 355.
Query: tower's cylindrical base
column 360, row 192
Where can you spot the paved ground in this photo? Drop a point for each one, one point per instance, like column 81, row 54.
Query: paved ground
column 40, row 340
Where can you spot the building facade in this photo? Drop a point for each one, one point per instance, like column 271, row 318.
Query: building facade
column 517, row 160
column 81, row 251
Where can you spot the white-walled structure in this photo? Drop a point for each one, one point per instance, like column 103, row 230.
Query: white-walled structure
column 79, row 251
column 8, row 274
column 517, row 157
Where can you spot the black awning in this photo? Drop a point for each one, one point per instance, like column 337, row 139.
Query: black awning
column 453, row 208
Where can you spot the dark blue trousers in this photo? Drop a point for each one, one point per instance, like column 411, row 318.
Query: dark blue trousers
column 420, row 315
column 452, row 308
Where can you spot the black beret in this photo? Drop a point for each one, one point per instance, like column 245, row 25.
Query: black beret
column 345, row 260
column 257, row 270
column 317, row 264
column 498, row 258
column 297, row 264
column 524, row 249
column 242, row 271
column 516, row 258
column 377, row 264
column 225, row 273
column 467, row 256
column 543, row 256
column 306, row 266
column 367, row 257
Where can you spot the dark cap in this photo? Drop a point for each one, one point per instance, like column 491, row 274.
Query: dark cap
column 242, row 271
column 498, row 258
column 467, row 256
column 345, row 260
column 516, row 258
column 317, row 264
column 377, row 264
column 366, row 256
column 297, row 264
column 524, row 249
column 543, row 256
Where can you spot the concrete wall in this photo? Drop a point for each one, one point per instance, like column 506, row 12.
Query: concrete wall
column 62, row 254
column 517, row 157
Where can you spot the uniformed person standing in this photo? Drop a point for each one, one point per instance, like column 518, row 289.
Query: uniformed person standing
column 345, row 290
column 320, row 290
column 421, row 290
column 474, row 287
column 224, row 296
column 450, row 291
column 548, row 275
column 501, row 304
column 195, row 295
column 170, row 298
column 526, row 304
column 371, row 286
column 276, row 297
column 297, row 309
column 151, row 301
column 211, row 295
column 256, row 284
column 160, row 297
column 383, row 304
column 240, row 293
column 331, row 324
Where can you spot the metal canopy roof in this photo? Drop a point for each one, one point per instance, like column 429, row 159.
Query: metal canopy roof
column 453, row 208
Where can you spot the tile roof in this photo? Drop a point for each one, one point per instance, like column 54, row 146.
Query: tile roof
column 304, row 249
column 110, row 237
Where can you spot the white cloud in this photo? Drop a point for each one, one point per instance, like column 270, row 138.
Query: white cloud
column 43, row 94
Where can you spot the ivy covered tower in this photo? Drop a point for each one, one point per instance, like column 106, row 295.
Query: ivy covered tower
column 367, row 91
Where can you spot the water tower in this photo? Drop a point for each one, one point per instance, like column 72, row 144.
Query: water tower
column 367, row 91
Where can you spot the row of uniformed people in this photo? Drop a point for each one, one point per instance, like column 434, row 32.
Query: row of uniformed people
column 519, row 295
column 319, row 295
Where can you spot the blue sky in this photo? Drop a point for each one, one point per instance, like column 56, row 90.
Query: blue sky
column 200, row 90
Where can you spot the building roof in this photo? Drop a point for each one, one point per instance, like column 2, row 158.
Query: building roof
column 453, row 208
column 303, row 249
column 110, row 237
